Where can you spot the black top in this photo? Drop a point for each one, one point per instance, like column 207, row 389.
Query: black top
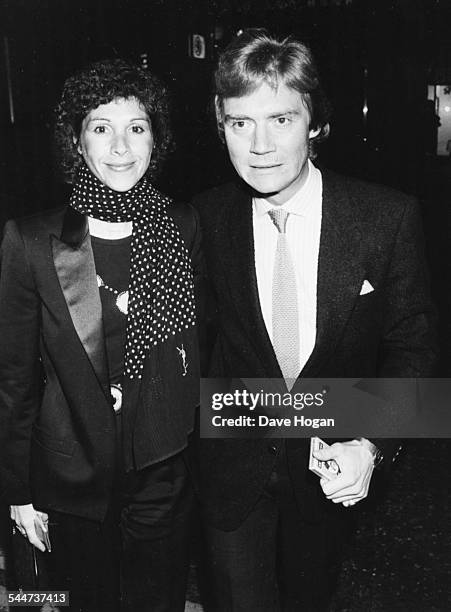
column 112, row 262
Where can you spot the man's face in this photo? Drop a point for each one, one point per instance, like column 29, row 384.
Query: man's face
column 267, row 135
column 116, row 143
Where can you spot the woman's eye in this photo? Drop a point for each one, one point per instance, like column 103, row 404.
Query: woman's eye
column 100, row 129
column 137, row 129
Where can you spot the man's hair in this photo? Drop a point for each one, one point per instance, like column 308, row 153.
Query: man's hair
column 254, row 57
column 101, row 83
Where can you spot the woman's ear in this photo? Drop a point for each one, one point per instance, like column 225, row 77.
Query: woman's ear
column 76, row 142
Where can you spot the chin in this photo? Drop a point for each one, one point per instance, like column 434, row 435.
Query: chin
column 121, row 184
column 121, row 187
column 265, row 187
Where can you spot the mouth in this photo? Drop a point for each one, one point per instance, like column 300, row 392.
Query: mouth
column 120, row 167
column 265, row 166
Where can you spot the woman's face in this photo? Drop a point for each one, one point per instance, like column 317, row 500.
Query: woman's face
column 116, row 142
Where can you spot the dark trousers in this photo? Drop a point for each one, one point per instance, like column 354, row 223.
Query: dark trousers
column 274, row 560
column 137, row 558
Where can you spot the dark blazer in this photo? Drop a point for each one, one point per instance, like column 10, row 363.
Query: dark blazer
column 56, row 418
column 368, row 232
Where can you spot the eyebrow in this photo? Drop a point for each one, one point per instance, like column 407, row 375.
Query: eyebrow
column 271, row 116
column 109, row 120
column 283, row 113
column 236, row 117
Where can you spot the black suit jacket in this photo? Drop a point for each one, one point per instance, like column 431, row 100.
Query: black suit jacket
column 56, row 418
column 368, row 232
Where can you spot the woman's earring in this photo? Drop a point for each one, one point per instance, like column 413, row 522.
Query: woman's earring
column 77, row 142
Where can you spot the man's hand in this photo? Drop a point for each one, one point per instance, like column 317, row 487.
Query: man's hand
column 356, row 467
column 26, row 519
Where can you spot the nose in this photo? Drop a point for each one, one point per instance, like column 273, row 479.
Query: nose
column 262, row 141
column 119, row 144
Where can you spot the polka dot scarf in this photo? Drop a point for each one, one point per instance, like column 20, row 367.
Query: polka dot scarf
column 161, row 290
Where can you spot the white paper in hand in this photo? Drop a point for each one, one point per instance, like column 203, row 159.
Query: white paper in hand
column 324, row 469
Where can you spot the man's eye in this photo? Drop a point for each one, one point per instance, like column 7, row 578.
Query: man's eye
column 100, row 129
column 239, row 123
column 282, row 120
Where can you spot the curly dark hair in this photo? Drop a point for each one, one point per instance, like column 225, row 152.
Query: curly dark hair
column 254, row 57
column 101, row 83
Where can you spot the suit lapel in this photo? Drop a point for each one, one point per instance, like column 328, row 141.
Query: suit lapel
column 239, row 270
column 74, row 265
column 340, row 272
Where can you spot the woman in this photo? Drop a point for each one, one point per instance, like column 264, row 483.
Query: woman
column 99, row 358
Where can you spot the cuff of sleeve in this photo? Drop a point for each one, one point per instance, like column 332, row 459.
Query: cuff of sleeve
column 14, row 492
column 377, row 454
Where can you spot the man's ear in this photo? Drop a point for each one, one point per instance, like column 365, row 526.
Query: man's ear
column 313, row 133
column 219, row 119
column 218, row 111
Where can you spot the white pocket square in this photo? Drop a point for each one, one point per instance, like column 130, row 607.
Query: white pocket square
column 367, row 287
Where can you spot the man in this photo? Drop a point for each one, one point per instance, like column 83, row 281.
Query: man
column 315, row 275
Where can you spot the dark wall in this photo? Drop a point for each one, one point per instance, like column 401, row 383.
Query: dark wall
column 382, row 52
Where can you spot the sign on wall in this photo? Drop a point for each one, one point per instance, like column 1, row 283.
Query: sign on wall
column 197, row 47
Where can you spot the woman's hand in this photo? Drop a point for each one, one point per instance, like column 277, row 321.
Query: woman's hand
column 27, row 519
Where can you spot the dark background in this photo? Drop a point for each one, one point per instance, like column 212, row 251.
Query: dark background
column 381, row 52
column 384, row 52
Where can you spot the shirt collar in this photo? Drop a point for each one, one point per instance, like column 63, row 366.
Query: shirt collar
column 302, row 202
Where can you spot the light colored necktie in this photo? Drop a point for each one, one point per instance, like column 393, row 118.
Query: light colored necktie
column 285, row 317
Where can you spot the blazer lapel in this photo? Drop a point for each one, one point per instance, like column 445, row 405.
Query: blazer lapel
column 340, row 272
column 239, row 270
column 74, row 265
